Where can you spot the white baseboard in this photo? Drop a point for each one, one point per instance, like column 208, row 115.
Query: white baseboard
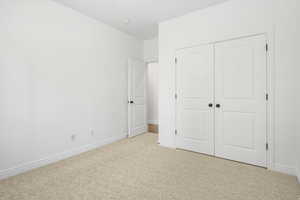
column 152, row 121
column 57, row 157
column 166, row 145
column 285, row 169
column 298, row 174
column 138, row 131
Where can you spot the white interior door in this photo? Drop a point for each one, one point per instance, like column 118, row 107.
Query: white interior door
column 195, row 95
column 240, row 97
column 136, row 97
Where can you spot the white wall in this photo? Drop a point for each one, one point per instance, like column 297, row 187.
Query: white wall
column 152, row 93
column 297, row 91
column 298, row 152
column 298, row 128
column 235, row 18
column 151, row 50
column 298, row 123
column 286, row 19
column 61, row 73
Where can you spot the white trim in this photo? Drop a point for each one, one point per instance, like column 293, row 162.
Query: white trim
column 139, row 131
column 57, row 157
column 270, row 36
column 285, row 169
column 129, row 94
column 298, row 174
column 153, row 121
column 151, row 60
column 166, row 146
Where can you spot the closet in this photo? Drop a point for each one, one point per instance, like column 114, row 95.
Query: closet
column 221, row 106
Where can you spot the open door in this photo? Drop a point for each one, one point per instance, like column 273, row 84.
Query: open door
column 137, row 120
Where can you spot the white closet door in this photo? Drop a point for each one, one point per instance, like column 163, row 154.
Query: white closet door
column 137, row 118
column 240, row 90
column 194, row 118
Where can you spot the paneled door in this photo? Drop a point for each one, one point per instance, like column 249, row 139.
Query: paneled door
column 195, row 99
column 137, row 122
column 240, row 100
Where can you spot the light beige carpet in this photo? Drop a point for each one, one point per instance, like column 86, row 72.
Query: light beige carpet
column 139, row 169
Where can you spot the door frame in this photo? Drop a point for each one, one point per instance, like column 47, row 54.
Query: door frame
column 129, row 94
column 270, row 90
column 154, row 60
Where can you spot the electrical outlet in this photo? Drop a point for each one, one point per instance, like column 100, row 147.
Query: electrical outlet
column 92, row 132
column 73, row 137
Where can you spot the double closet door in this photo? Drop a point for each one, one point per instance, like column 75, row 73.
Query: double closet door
column 221, row 100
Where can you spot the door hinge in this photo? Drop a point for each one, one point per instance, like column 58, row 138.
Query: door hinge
column 267, row 97
column 175, row 132
column 267, row 146
column 267, row 47
column 175, row 60
column 176, row 96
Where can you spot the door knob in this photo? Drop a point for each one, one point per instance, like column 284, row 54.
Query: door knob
column 218, row 105
column 210, row 105
column 131, row 102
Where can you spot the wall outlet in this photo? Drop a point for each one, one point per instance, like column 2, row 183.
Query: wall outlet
column 92, row 132
column 73, row 137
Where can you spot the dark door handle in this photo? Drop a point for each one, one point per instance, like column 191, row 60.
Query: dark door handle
column 210, row 105
column 131, row 102
column 218, row 105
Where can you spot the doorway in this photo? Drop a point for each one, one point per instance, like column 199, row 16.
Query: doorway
column 152, row 97
column 142, row 97
column 221, row 106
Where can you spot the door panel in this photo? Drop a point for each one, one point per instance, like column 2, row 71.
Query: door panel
column 246, row 122
column 194, row 118
column 240, row 89
column 137, row 97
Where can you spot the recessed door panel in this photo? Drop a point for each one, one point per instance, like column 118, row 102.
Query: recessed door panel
column 237, row 76
column 195, row 123
column 246, row 125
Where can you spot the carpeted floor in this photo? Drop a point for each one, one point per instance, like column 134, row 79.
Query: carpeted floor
column 139, row 169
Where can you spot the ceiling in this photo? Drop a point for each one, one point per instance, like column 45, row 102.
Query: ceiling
column 137, row 17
